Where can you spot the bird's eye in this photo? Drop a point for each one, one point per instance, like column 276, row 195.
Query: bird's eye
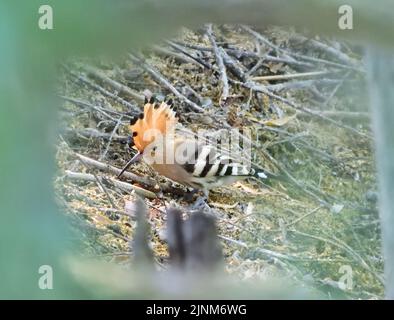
column 130, row 142
column 153, row 151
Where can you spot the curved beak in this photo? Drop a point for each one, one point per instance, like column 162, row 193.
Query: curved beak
column 136, row 158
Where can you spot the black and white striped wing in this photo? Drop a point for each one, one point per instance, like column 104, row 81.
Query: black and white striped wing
column 207, row 162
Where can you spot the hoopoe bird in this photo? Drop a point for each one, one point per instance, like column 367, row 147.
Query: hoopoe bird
column 182, row 159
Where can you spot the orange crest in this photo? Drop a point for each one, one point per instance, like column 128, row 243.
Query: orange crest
column 157, row 118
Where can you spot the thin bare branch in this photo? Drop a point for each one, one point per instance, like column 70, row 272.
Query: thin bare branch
column 116, row 183
column 220, row 64
column 160, row 78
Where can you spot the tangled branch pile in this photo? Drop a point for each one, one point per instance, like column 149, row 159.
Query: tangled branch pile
column 303, row 99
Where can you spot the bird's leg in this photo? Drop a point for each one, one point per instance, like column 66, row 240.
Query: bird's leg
column 201, row 202
column 188, row 196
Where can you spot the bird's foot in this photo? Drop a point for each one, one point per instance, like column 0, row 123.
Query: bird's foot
column 200, row 204
column 188, row 196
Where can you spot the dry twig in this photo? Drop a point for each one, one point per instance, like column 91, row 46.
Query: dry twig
column 159, row 77
column 116, row 183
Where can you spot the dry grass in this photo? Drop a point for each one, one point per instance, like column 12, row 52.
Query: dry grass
column 281, row 228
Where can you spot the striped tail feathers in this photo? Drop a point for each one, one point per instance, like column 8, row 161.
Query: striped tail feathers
column 265, row 175
column 261, row 175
